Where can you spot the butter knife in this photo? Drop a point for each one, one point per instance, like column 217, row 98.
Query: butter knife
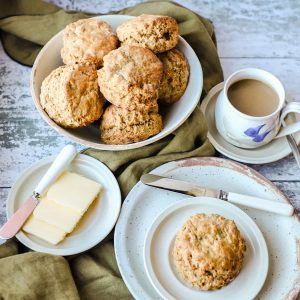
column 14, row 224
column 195, row 190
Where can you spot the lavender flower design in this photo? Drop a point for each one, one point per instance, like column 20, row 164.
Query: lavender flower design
column 254, row 133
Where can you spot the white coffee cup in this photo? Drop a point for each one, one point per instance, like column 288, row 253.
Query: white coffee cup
column 247, row 131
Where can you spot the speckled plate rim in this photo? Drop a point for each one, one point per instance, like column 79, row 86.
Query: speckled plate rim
column 120, row 239
column 250, row 225
column 197, row 84
column 94, row 239
column 242, row 158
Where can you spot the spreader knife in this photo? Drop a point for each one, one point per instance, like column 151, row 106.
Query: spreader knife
column 14, row 224
column 195, row 190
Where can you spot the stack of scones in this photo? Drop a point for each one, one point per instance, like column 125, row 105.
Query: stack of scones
column 123, row 86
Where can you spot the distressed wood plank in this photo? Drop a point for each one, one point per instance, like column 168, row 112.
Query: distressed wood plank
column 244, row 28
column 248, row 29
column 26, row 138
column 3, row 197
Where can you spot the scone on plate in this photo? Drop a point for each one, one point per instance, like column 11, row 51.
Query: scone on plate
column 130, row 78
column 121, row 126
column 175, row 76
column 157, row 33
column 208, row 251
column 87, row 41
column 70, row 96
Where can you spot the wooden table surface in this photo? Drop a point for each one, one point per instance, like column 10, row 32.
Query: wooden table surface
column 263, row 34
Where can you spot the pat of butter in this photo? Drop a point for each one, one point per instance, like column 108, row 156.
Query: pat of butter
column 43, row 230
column 74, row 191
column 57, row 215
column 62, row 208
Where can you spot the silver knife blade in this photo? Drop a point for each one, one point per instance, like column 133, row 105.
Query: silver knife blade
column 178, row 186
column 285, row 209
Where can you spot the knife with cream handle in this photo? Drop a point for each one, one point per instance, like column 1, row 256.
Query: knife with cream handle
column 14, row 224
column 195, row 190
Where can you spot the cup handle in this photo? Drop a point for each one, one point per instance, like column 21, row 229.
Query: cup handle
column 290, row 128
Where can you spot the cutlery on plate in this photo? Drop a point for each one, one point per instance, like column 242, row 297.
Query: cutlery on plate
column 195, row 190
column 14, row 224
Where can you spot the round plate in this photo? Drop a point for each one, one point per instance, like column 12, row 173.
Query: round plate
column 143, row 204
column 273, row 151
column 160, row 241
column 95, row 225
column 49, row 59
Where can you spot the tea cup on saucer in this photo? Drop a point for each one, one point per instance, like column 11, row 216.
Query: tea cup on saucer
column 253, row 126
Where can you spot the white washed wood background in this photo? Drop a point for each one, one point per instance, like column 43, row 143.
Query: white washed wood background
column 264, row 34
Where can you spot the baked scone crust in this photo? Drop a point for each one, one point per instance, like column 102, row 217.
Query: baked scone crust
column 175, row 76
column 157, row 33
column 208, row 251
column 130, row 78
column 87, row 41
column 121, row 126
column 70, row 96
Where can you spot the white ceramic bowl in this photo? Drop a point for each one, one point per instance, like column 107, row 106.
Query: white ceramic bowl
column 49, row 59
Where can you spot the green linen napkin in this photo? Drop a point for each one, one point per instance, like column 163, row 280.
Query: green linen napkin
column 26, row 25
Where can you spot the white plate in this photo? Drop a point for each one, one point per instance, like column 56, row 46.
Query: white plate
column 144, row 204
column 49, row 59
column 96, row 223
column 273, row 151
column 160, row 241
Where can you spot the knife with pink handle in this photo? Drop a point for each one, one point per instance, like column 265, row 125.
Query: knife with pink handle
column 191, row 189
column 14, row 224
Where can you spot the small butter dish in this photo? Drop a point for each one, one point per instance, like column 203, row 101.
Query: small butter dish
column 96, row 223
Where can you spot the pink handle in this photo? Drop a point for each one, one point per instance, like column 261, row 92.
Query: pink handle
column 14, row 224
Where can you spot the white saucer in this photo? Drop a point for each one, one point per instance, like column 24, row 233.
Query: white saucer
column 275, row 150
column 159, row 243
column 96, row 223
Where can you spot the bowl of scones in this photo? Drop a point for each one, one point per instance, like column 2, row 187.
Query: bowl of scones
column 117, row 82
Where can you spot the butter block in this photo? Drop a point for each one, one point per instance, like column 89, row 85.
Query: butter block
column 57, row 215
column 43, row 230
column 61, row 209
column 74, row 191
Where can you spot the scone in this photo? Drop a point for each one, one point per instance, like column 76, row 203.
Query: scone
column 87, row 41
column 208, row 251
column 175, row 76
column 130, row 78
column 70, row 96
column 121, row 126
column 157, row 33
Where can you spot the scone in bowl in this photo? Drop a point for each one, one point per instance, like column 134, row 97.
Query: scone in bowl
column 173, row 115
